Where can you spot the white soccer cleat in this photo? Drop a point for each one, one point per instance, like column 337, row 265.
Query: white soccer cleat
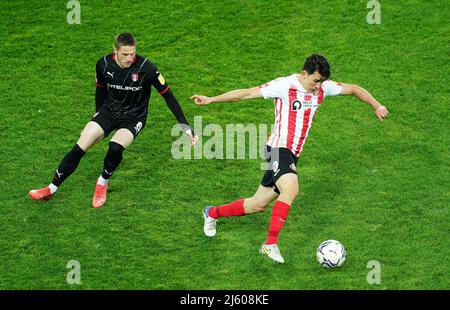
column 272, row 251
column 209, row 228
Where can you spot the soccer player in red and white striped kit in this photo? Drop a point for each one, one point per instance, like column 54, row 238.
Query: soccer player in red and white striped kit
column 297, row 98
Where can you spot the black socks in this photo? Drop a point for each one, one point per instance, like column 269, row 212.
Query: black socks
column 68, row 165
column 112, row 159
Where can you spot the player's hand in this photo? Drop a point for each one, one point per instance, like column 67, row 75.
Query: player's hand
column 381, row 112
column 201, row 100
column 193, row 137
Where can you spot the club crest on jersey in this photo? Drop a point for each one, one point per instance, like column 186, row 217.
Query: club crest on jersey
column 134, row 77
column 307, row 102
column 296, row 105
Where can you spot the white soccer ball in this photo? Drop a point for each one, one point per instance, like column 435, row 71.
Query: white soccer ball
column 331, row 254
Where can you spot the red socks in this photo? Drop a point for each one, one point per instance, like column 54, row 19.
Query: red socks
column 232, row 209
column 279, row 214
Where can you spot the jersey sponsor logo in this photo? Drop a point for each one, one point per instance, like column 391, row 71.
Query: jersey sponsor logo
column 161, row 78
column 134, row 77
column 111, row 74
column 296, row 105
column 138, row 127
column 120, row 87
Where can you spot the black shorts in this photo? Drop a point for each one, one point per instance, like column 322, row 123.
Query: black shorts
column 281, row 161
column 110, row 122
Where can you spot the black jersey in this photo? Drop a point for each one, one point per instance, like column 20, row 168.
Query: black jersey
column 129, row 89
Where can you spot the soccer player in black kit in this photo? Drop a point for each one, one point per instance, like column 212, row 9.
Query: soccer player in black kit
column 123, row 90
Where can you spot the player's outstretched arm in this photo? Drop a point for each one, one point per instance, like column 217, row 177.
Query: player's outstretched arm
column 174, row 106
column 232, row 96
column 380, row 110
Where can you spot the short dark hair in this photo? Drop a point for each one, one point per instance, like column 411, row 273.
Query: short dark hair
column 124, row 39
column 317, row 62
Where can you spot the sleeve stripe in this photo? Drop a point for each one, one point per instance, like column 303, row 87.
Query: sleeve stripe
column 164, row 91
column 99, row 85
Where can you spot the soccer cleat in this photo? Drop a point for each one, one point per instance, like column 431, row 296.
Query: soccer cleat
column 272, row 251
column 99, row 195
column 41, row 194
column 209, row 228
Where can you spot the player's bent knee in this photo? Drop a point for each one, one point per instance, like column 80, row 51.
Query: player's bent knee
column 294, row 191
column 259, row 207
column 84, row 145
column 253, row 205
column 124, row 137
column 115, row 148
column 289, row 193
column 261, row 204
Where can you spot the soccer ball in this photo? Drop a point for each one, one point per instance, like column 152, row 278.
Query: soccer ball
column 331, row 254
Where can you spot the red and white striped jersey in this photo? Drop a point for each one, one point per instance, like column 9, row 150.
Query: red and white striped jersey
column 294, row 110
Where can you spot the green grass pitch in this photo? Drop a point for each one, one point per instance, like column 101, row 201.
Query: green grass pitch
column 381, row 188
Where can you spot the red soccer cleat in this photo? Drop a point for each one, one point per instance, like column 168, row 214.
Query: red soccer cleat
column 99, row 195
column 41, row 194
